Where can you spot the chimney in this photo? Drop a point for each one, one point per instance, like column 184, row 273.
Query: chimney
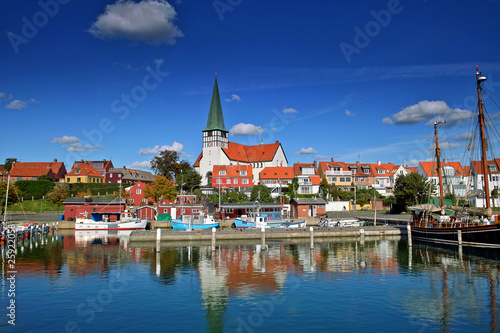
column 378, row 162
column 331, row 160
column 315, row 165
column 277, row 141
column 281, row 164
column 55, row 160
column 357, row 163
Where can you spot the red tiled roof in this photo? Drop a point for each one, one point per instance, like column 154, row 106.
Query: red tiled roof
column 430, row 168
column 249, row 154
column 478, row 167
column 297, row 166
column 412, row 169
column 35, row 169
column 85, row 170
column 277, row 172
column 315, row 180
column 197, row 163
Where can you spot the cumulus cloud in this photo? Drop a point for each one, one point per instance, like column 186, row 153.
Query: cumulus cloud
column 18, row 104
column 429, row 111
column 176, row 146
column 246, row 129
column 65, row 140
column 348, row 113
column 150, row 21
column 290, row 111
column 81, row 148
column 322, row 157
column 234, row 98
column 140, row 165
column 306, row 151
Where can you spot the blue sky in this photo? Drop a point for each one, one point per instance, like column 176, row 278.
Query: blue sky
column 350, row 80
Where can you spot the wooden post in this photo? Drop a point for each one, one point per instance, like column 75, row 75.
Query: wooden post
column 409, row 235
column 158, row 239
column 263, row 238
column 459, row 234
column 311, row 229
column 213, row 239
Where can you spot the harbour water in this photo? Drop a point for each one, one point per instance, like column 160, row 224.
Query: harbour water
column 77, row 283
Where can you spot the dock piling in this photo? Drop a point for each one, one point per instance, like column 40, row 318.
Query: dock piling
column 409, row 235
column 263, row 238
column 459, row 234
column 158, row 239
column 213, row 239
column 311, row 229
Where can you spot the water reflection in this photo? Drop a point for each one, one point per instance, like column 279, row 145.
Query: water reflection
column 420, row 287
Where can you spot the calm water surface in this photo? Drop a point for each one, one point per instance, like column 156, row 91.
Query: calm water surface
column 78, row 284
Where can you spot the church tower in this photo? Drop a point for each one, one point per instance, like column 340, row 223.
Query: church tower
column 215, row 137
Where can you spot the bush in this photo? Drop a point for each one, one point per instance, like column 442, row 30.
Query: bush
column 34, row 188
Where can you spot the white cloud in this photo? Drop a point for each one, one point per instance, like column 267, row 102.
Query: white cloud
column 348, row 113
column 246, row 129
column 289, row 111
column 4, row 96
column 140, row 165
column 463, row 137
column 17, row 105
column 429, row 111
column 65, row 140
column 176, row 146
column 322, row 157
column 445, row 146
column 234, row 98
column 306, row 151
column 149, row 21
column 80, row 148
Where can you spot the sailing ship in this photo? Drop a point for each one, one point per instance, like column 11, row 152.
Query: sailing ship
column 475, row 227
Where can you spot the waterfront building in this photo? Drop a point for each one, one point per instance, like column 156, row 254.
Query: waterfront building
column 336, row 172
column 307, row 207
column 83, row 172
column 128, row 176
column 77, row 207
column 32, row 170
column 136, row 194
column 277, row 179
column 308, row 178
column 452, row 175
column 362, row 175
column 238, row 177
column 218, row 150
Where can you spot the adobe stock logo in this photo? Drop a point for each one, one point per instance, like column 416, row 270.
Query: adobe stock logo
column 372, row 29
column 40, row 19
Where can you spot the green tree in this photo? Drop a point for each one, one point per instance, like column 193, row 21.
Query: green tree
column 168, row 161
column 14, row 193
column 83, row 194
column 160, row 188
column 8, row 163
column 58, row 194
column 292, row 188
column 411, row 189
column 45, row 177
column 494, row 195
column 261, row 193
column 324, row 187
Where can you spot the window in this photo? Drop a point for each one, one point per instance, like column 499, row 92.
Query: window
column 366, row 171
column 218, row 181
column 332, row 179
column 164, row 210
column 77, row 171
column 196, row 211
column 78, row 180
column 380, row 171
column 492, row 167
column 244, row 172
column 228, row 181
column 67, row 180
column 235, row 181
column 336, row 168
column 244, row 181
column 138, row 191
column 345, row 179
column 222, row 172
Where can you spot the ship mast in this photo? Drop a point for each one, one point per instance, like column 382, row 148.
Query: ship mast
column 438, row 156
column 480, row 79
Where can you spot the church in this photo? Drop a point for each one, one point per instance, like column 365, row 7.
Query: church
column 218, row 150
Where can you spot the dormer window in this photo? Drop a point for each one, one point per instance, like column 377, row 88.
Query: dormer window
column 222, row 172
column 244, row 173
column 492, row 167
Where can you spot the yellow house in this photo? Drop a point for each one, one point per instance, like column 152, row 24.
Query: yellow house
column 83, row 173
column 337, row 173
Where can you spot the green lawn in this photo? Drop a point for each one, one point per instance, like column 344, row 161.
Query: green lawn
column 34, row 206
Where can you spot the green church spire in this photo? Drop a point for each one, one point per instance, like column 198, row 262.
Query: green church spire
column 215, row 118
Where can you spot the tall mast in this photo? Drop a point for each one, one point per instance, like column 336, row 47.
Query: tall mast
column 480, row 79
column 438, row 155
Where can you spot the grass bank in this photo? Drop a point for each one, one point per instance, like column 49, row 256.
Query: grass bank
column 35, row 206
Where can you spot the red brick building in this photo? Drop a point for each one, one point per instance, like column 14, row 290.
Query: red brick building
column 237, row 176
column 307, row 207
column 136, row 194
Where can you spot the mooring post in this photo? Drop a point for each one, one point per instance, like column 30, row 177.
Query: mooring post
column 158, row 239
column 459, row 234
column 312, row 237
column 213, row 239
column 409, row 235
column 57, row 226
column 263, row 238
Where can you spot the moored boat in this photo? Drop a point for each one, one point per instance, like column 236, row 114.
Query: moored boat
column 194, row 222
column 109, row 221
column 475, row 227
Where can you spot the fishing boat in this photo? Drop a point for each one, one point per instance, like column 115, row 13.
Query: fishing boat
column 194, row 222
column 474, row 227
column 258, row 221
column 124, row 220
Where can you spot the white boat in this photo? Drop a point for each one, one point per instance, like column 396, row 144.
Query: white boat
column 109, row 221
column 194, row 222
column 326, row 223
